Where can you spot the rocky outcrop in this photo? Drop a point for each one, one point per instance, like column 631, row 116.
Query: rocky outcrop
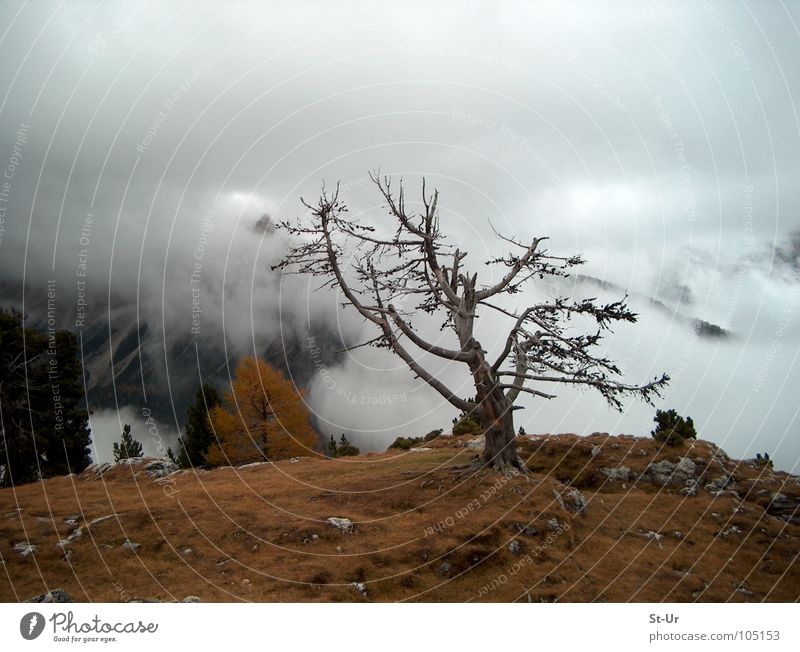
column 160, row 468
column 666, row 473
column 786, row 508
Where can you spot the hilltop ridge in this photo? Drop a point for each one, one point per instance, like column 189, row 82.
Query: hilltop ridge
column 598, row 518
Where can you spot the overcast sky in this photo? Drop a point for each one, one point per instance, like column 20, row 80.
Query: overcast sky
column 660, row 140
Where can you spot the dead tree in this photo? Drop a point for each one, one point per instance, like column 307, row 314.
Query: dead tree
column 373, row 271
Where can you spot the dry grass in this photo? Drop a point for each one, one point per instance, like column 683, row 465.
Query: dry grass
column 260, row 533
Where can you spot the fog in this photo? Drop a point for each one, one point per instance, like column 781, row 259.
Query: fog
column 661, row 142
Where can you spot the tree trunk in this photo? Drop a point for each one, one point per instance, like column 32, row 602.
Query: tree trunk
column 497, row 421
column 496, row 418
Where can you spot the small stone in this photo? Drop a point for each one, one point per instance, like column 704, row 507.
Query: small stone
column 130, row 545
column 315, row 537
column 360, row 587
column 654, row 536
column 187, row 551
column 343, row 524
column 24, row 548
column 339, row 549
column 191, row 599
column 514, row 547
column 445, row 569
column 732, row 530
column 553, row 525
column 595, row 451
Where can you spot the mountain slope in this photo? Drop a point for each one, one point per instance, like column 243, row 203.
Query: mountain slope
column 636, row 522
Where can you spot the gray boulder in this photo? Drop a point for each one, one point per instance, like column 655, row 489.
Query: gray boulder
column 616, row 473
column 54, row 596
column 666, row 473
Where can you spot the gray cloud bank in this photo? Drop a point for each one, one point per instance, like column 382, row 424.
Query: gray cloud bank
column 661, row 141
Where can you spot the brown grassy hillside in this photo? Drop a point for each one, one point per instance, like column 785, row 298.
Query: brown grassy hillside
column 419, row 531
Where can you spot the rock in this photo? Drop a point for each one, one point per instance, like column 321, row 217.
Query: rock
column 445, row 569
column 360, row 587
column 514, row 547
column 54, row 596
column 553, row 525
column 160, row 468
column 130, row 545
column 665, row 473
column 191, row 599
column 251, row 465
column 73, row 536
column 619, row 473
column 575, row 502
column 595, row 451
column 97, row 470
column 187, row 551
column 478, row 443
column 718, row 484
column 726, row 494
column 678, row 534
column 786, row 508
column 419, row 449
column 654, row 536
column 131, row 461
column 24, row 548
column 315, row 537
column 339, row 549
column 343, row 524
column 99, row 520
column 732, row 530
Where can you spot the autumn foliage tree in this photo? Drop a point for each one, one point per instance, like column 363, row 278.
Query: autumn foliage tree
column 262, row 418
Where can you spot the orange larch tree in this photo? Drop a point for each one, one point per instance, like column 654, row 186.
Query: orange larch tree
column 263, row 418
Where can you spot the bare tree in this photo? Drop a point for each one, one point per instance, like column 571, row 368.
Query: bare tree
column 416, row 262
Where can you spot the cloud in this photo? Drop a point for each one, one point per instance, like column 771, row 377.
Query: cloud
column 660, row 142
